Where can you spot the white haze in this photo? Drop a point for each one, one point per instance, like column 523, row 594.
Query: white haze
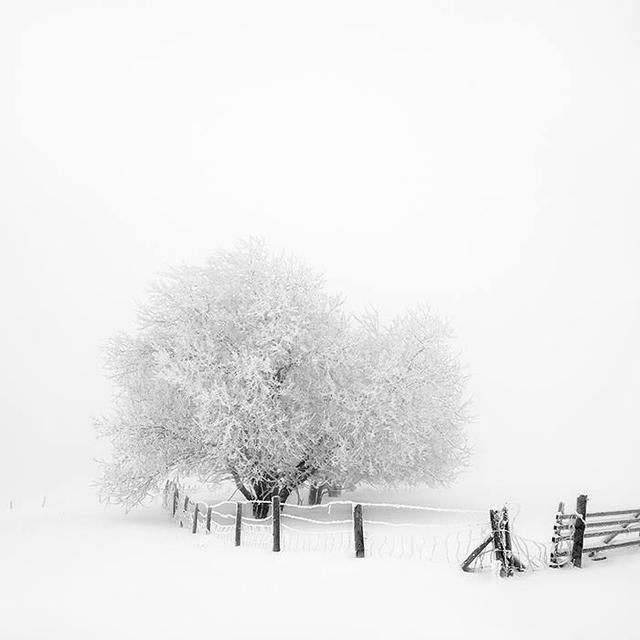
column 480, row 157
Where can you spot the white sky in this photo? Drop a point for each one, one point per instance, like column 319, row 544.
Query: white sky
column 479, row 156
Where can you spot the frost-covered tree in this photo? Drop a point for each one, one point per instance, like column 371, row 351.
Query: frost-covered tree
column 246, row 370
column 403, row 411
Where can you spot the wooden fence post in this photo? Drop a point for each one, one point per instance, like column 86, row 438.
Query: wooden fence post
column 275, row 507
column 358, row 531
column 174, row 507
column 508, row 549
column 184, row 510
column 209, row 510
column 498, row 547
column 194, row 527
column 557, row 532
column 578, row 531
column 238, row 523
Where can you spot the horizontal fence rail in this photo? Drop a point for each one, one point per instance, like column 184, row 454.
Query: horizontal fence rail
column 616, row 545
column 623, row 512
column 607, row 523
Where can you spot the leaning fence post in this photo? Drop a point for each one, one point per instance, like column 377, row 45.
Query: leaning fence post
column 194, row 527
column 358, row 531
column 578, row 531
column 466, row 563
column 275, row 507
column 497, row 542
column 238, row 523
column 209, row 510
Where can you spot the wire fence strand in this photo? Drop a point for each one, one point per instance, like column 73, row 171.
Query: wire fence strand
column 449, row 541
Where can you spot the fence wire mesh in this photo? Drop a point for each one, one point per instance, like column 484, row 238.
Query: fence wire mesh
column 390, row 530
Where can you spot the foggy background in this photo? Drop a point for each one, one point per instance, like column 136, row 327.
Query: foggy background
column 479, row 157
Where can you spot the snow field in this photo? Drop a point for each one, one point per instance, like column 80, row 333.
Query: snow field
column 85, row 572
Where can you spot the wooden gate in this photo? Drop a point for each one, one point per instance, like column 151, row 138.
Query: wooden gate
column 573, row 533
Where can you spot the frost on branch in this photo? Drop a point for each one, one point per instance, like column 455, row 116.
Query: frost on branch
column 245, row 369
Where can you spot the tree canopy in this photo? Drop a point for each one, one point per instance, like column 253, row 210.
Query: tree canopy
column 245, row 369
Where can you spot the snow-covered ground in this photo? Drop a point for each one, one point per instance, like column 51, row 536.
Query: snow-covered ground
column 80, row 571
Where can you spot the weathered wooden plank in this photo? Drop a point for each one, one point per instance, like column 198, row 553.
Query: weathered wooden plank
column 603, row 514
column 608, row 523
column 622, row 512
column 475, row 553
column 596, row 534
column 611, row 533
column 555, row 539
column 617, row 545
column 625, row 528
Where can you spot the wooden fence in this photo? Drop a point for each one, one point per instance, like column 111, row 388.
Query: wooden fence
column 591, row 533
column 485, row 542
column 192, row 513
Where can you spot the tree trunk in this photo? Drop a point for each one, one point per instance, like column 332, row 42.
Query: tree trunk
column 264, row 491
column 260, row 492
column 317, row 493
